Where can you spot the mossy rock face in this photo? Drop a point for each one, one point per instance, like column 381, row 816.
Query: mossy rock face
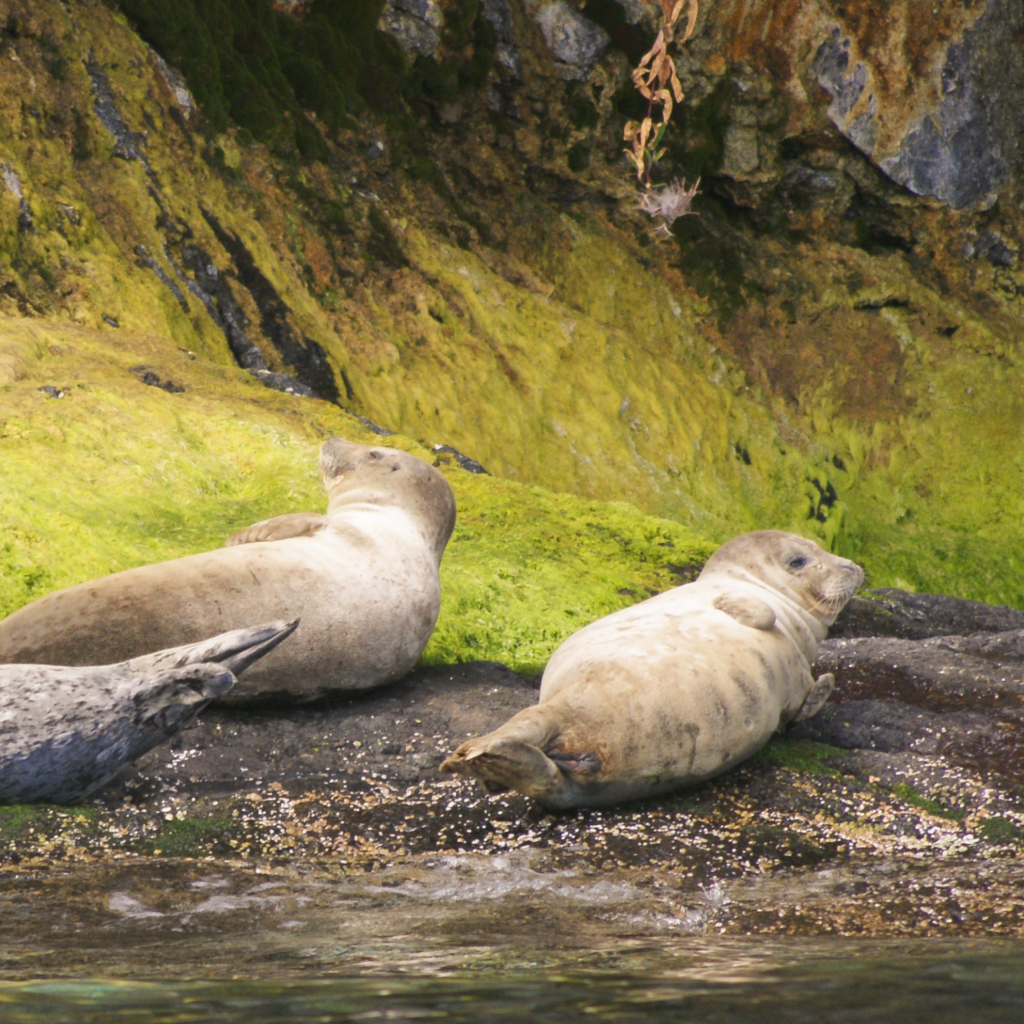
column 488, row 297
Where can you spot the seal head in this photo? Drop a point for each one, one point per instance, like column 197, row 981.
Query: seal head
column 790, row 565
column 355, row 474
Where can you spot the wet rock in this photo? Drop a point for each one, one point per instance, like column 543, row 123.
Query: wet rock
column 145, row 259
column 468, row 464
column 128, row 145
column 375, row 427
column 402, row 731
column 282, row 382
column 306, row 355
column 147, row 375
column 947, row 673
column 907, row 781
column 13, row 183
column 968, row 738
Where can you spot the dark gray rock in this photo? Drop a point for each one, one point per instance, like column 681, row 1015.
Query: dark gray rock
column 898, row 613
column 402, row 732
column 963, row 153
column 415, row 24
column 575, row 41
column 506, row 49
column 968, row 738
column 952, row 673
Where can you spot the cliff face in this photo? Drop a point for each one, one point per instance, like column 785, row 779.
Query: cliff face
column 429, row 224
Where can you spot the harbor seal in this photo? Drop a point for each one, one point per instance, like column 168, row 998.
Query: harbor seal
column 363, row 578
column 65, row 732
column 678, row 688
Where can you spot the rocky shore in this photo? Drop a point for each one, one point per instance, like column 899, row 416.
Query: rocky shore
column 897, row 810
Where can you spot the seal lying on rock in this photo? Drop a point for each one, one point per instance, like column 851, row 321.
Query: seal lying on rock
column 363, row 579
column 677, row 688
column 64, row 732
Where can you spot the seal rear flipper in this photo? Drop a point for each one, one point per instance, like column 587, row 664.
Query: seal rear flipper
column 235, row 650
column 815, row 700
column 501, row 763
column 292, row 524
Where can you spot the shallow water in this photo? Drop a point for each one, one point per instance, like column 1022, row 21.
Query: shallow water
column 454, row 939
column 743, row 982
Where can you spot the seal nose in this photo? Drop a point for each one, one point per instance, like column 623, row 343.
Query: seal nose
column 339, row 456
column 857, row 571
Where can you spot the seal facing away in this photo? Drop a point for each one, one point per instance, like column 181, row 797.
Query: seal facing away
column 363, row 579
column 65, row 732
column 678, row 688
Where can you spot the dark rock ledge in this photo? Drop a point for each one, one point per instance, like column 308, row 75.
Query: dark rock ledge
column 898, row 810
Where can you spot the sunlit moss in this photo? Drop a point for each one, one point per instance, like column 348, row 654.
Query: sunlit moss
column 910, row 795
column 117, row 474
column 571, row 361
column 528, row 567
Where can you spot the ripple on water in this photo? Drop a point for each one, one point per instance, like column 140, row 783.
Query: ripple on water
column 705, row 980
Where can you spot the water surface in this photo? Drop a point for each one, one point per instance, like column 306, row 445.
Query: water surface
column 456, row 939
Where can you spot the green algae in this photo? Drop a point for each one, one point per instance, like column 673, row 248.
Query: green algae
column 910, row 795
column 806, row 756
column 582, row 362
column 191, row 837
column 526, row 568
column 997, row 829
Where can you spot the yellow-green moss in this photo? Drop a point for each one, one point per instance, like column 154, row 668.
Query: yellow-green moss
column 800, row 755
column 118, row 473
column 576, row 360
column 527, row 567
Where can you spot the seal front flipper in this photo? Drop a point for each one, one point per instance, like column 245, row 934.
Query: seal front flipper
column 292, row 524
column 815, row 700
column 746, row 610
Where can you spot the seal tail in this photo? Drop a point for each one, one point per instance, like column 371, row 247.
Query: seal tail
column 512, row 757
column 235, row 650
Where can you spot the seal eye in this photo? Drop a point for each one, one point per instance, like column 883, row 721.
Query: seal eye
column 796, row 564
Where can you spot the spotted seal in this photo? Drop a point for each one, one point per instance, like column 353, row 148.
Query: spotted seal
column 678, row 688
column 363, row 578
